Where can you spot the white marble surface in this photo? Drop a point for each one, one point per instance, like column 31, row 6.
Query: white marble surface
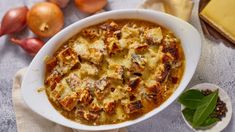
column 217, row 65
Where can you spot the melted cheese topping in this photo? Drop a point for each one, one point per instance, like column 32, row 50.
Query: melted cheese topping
column 114, row 71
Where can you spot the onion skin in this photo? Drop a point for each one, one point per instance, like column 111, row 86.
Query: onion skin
column 14, row 20
column 45, row 19
column 60, row 3
column 30, row 45
column 90, row 6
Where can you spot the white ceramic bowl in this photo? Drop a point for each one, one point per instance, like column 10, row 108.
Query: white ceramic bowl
column 34, row 78
column 219, row 126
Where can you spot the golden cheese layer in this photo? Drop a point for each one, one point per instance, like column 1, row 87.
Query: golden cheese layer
column 220, row 15
column 115, row 71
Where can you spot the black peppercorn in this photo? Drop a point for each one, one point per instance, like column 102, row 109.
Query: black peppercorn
column 220, row 109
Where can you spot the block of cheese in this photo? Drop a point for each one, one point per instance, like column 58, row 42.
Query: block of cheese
column 220, row 14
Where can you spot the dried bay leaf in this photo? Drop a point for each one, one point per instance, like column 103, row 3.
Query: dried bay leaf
column 209, row 121
column 188, row 114
column 206, row 107
column 191, row 98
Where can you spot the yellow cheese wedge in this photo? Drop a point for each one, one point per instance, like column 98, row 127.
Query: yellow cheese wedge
column 220, row 14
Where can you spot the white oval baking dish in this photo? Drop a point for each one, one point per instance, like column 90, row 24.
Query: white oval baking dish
column 34, row 78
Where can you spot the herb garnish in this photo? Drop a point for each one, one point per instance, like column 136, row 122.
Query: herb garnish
column 199, row 108
column 191, row 99
column 205, row 108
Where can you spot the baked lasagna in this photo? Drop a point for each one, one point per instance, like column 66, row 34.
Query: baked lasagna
column 114, row 71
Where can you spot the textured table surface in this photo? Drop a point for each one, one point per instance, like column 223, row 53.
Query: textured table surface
column 217, row 65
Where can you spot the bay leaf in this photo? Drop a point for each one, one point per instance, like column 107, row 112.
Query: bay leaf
column 206, row 107
column 209, row 121
column 188, row 114
column 191, row 98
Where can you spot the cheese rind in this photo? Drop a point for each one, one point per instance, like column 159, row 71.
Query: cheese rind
column 221, row 15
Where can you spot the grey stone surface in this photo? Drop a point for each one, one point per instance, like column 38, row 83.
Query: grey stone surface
column 217, row 65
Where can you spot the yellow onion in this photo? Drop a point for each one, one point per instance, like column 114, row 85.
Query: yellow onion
column 60, row 3
column 90, row 6
column 45, row 19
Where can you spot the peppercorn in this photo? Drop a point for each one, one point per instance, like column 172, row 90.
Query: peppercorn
column 206, row 92
column 220, row 109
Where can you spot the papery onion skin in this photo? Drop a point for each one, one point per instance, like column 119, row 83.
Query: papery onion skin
column 45, row 19
column 14, row 20
column 60, row 3
column 90, row 6
column 30, row 45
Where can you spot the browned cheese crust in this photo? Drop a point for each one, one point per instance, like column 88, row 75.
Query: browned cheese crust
column 114, row 71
